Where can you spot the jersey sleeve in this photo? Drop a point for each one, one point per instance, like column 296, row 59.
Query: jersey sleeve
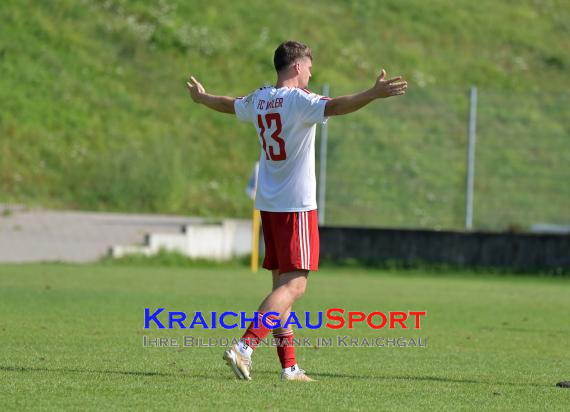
column 244, row 108
column 311, row 106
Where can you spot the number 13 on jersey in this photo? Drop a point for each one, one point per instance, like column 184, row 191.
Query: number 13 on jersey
column 271, row 150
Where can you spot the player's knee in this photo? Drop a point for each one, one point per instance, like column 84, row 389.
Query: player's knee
column 297, row 290
column 295, row 285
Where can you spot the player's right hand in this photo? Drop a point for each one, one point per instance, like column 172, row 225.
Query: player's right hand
column 391, row 87
column 196, row 89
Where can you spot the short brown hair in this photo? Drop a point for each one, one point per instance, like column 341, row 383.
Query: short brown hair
column 288, row 52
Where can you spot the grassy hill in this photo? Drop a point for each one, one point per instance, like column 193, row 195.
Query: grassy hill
column 94, row 113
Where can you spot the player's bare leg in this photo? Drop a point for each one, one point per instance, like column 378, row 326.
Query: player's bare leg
column 285, row 347
column 291, row 286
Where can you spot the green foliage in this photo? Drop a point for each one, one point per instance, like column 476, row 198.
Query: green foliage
column 95, row 114
column 166, row 258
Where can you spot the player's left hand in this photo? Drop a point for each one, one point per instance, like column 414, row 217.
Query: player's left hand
column 395, row 86
column 196, row 89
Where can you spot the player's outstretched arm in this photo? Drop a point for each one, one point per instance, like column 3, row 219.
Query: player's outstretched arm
column 382, row 88
column 223, row 104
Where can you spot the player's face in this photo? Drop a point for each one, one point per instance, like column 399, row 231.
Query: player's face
column 305, row 66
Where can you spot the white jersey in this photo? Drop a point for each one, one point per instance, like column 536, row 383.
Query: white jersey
column 285, row 120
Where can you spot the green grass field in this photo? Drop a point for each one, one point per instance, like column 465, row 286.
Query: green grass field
column 71, row 338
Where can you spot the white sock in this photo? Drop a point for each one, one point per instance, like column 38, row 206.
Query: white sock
column 244, row 348
column 291, row 369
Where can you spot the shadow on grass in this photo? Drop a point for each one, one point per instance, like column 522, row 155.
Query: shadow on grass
column 420, row 378
column 266, row 372
column 71, row 370
column 185, row 373
column 227, row 375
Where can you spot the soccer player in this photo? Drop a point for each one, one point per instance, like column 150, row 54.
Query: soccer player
column 285, row 118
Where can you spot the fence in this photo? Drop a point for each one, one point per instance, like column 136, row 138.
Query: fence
column 402, row 162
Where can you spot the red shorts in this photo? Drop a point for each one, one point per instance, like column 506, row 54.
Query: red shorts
column 291, row 240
